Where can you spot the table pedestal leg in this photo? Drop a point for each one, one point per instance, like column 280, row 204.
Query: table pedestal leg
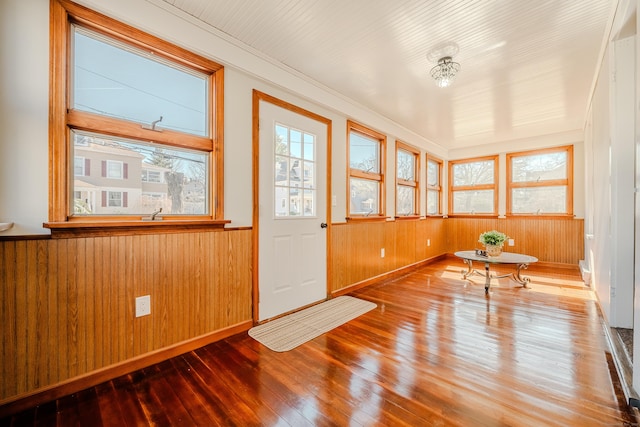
column 487, row 278
column 470, row 271
column 518, row 278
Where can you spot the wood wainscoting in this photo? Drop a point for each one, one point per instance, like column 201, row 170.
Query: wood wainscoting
column 356, row 248
column 68, row 305
column 551, row 240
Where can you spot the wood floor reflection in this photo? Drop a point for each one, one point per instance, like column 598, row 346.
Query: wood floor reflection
column 436, row 351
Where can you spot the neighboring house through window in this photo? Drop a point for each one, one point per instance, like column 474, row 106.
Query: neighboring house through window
column 142, row 110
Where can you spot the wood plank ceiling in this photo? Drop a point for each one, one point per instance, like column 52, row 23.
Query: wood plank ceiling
column 527, row 67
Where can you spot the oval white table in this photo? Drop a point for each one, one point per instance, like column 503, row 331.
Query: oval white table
column 520, row 260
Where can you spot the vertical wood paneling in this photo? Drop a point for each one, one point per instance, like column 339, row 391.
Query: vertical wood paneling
column 405, row 251
column 68, row 305
column 356, row 246
column 39, row 363
column 554, row 240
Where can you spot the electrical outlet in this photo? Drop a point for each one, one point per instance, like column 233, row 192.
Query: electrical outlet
column 428, row 242
column 512, row 242
column 382, row 253
column 143, row 305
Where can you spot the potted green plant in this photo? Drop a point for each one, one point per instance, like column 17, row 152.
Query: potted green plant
column 493, row 241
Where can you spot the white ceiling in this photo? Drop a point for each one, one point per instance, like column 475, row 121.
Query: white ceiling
column 527, row 66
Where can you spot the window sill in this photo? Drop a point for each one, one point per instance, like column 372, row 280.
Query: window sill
column 61, row 230
column 473, row 216
column 545, row 216
column 407, row 217
column 363, row 218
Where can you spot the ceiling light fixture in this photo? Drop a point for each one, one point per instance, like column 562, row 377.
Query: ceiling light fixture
column 445, row 72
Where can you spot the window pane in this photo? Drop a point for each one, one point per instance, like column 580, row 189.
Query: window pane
column 406, row 165
column 309, row 202
column 114, row 169
column 282, row 171
column 134, row 178
column 406, row 200
column 473, row 173
column 295, row 201
column 364, row 196
column 364, row 153
column 115, row 199
column 282, row 140
column 282, row 201
column 433, row 202
column 295, row 143
column 539, row 200
column 539, row 167
column 309, row 146
column 78, row 166
column 433, row 173
column 118, row 81
column 473, row 202
column 309, row 175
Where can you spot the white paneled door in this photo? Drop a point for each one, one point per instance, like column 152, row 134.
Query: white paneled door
column 292, row 211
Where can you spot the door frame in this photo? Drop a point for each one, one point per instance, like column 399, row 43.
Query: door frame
column 257, row 97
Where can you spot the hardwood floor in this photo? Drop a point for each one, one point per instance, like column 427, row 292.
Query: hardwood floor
column 436, row 351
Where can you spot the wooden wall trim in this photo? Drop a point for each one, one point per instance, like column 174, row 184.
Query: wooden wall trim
column 15, row 238
column 18, row 237
column 20, row 403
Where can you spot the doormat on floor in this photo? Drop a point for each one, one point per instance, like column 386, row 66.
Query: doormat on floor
column 288, row 332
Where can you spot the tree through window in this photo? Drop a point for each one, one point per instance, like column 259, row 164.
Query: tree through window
column 366, row 171
column 540, row 182
column 141, row 114
column 473, row 186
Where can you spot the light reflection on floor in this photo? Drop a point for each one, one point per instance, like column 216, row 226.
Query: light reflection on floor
column 570, row 285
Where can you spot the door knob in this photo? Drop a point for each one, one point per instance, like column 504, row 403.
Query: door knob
column 323, row 225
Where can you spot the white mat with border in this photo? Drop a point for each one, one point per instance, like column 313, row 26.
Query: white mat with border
column 290, row 331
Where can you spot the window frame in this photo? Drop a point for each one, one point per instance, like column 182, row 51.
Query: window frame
column 438, row 188
column 568, row 181
column 62, row 119
column 359, row 174
column 415, row 184
column 493, row 186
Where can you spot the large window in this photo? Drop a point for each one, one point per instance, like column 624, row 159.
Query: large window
column 366, row 171
column 540, row 182
column 407, row 180
column 434, row 186
column 142, row 111
column 473, row 186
